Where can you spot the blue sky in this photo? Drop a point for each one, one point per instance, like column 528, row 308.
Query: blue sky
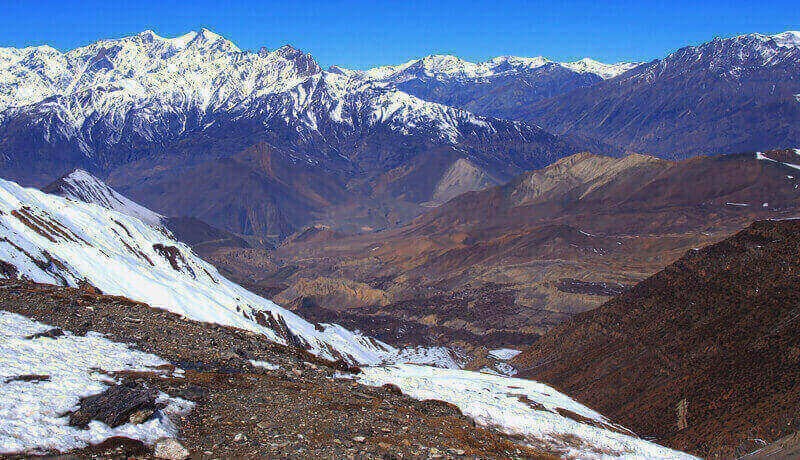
column 362, row 34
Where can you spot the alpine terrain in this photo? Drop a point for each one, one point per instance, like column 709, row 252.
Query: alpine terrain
column 131, row 274
column 215, row 251
column 173, row 121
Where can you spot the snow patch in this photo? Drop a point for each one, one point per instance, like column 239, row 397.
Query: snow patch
column 32, row 413
column 442, row 357
column 80, row 185
column 504, row 354
column 520, row 407
column 265, row 364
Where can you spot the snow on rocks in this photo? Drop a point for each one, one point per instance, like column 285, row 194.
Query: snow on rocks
column 442, row 357
column 762, row 157
column 265, row 365
column 448, row 67
column 504, row 354
column 190, row 81
column 79, row 185
column 34, row 412
column 521, row 407
column 49, row 239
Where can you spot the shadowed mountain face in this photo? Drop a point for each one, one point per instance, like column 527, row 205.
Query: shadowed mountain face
column 702, row 356
column 727, row 95
column 503, row 265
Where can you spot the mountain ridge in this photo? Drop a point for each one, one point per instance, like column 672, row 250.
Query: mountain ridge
column 702, row 99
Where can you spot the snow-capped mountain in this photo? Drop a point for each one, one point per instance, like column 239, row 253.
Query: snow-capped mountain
column 54, row 240
column 500, row 87
column 79, row 185
column 444, row 67
column 727, row 95
column 117, row 101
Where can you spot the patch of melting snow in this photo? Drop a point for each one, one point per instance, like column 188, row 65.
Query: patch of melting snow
column 504, row 354
column 34, row 414
column 761, row 156
column 519, row 407
column 506, row 369
column 442, row 357
column 265, row 365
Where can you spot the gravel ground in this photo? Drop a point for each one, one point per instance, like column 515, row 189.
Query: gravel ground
column 298, row 410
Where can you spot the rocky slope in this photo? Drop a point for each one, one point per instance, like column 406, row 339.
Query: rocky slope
column 251, row 397
column 728, row 95
column 299, row 409
column 501, row 266
column 63, row 242
column 702, row 355
column 49, row 239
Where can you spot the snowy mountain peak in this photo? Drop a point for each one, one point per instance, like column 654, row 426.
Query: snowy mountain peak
column 444, row 67
column 605, row 71
column 80, row 185
column 209, row 38
column 503, row 63
column 788, row 38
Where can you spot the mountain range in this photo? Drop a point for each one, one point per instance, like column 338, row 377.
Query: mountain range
column 433, row 237
column 728, row 95
column 152, row 114
column 190, row 125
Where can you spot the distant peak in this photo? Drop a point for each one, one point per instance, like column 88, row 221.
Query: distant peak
column 183, row 40
column 605, row 71
column 536, row 61
column 790, row 38
column 208, row 34
column 288, row 50
column 304, row 62
column 148, row 35
column 205, row 37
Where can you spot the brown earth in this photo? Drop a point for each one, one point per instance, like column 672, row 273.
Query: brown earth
column 703, row 356
column 501, row 266
column 297, row 411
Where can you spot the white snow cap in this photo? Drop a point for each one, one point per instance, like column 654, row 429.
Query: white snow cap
column 153, row 83
column 79, row 185
column 790, row 38
column 445, row 67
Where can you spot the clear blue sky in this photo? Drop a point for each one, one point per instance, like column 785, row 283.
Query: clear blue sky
column 362, row 34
